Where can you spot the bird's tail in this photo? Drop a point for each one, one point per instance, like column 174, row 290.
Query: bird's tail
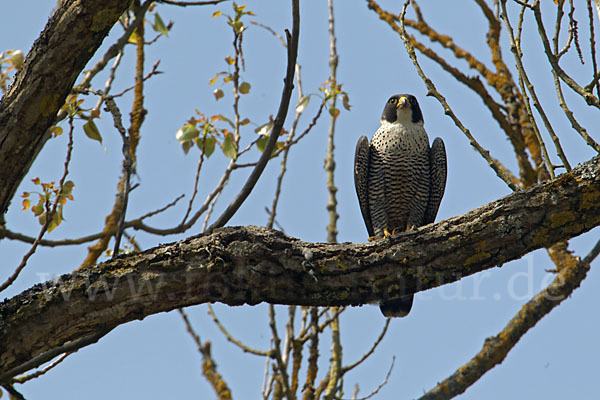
column 398, row 308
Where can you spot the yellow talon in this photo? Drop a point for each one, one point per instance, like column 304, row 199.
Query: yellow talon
column 372, row 238
column 387, row 233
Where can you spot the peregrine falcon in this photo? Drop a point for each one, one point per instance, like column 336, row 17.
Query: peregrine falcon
column 399, row 179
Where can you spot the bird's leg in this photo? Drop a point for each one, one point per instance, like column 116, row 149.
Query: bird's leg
column 387, row 234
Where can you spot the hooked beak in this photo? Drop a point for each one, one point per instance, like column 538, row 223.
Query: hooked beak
column 402, row 102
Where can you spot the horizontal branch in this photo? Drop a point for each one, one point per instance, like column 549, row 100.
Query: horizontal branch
column 250, row 265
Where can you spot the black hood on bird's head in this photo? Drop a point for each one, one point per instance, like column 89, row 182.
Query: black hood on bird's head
column 390, row 111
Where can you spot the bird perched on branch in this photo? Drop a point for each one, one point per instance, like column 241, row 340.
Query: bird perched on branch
column 399, row 179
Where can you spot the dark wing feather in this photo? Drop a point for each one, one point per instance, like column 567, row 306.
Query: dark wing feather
column 361, row 178
column 438, row 171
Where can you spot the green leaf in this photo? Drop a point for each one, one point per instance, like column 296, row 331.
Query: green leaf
column 237, row 25
column 159, row 26
column 261, row 143
column 217, row 13
column 334, row 112
column 38, row 209
column 264, row 129
column 67, row 188
column 218, row 94
column 42, row 219
column 244, row 122
column 208, row 143
column 186, row 133
column 228, row 147
column 56, row 219
column 302, row 104
column 245, row 88
column 186, row 146
column 91, row 130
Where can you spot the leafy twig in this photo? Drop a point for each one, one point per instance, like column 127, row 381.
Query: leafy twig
column 49, row 215
column 277, row 125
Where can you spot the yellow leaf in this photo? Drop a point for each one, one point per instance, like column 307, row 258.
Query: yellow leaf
column 133, row 38
column 213, row 80
column 26, row 204
column 217, row 13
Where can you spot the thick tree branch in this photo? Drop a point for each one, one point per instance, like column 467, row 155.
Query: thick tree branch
column 249, row 265
column 72, row 35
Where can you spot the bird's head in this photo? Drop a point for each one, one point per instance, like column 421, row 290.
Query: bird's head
column 403, row 109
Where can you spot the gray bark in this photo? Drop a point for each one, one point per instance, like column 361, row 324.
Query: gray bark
column 71, row 37
column 250, row 265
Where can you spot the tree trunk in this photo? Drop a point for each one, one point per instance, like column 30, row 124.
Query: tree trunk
column 71, row 37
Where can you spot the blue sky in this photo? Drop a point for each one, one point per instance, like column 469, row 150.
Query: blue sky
column 155, row 358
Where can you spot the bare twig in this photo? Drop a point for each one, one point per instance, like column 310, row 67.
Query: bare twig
column 313, row 356
column 559, row 92
column 14, row 393
column 495, row 348
column 584, row 92
column 68, row 347
column 282, row 375
column 114, row 50
column 432, row 91
column 150, row 74
column 109, row 81
column 272, row 31
column 382, row 384
column 593, row 45
column 330, row 158
column 335, row 365
column 527, row 86
column 286, row 151
column 25, row 378
column 371, row 350
column 230, row 338
column 195, row 191
column 209, row 368
column 312, row 123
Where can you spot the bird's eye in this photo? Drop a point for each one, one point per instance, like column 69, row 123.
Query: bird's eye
column 392, row 100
